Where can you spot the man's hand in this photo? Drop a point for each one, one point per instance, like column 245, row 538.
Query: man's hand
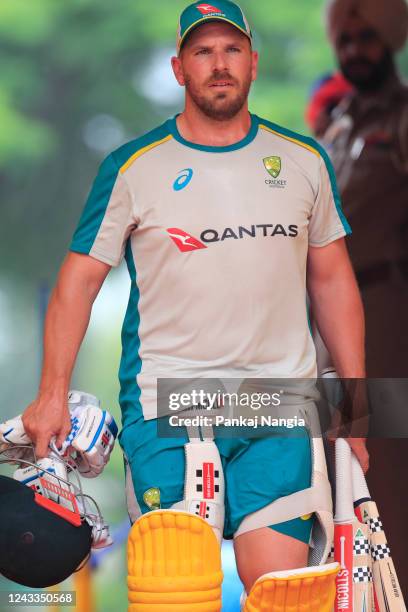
column 47, row 417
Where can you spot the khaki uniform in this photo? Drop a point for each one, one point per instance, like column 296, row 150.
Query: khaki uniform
column 368, row 144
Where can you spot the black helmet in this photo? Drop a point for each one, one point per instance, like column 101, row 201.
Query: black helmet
column 38, row 548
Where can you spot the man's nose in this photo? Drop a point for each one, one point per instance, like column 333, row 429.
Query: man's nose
column 352, row 49
column 220, row 61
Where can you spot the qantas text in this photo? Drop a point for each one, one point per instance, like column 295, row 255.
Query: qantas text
column 253, row 231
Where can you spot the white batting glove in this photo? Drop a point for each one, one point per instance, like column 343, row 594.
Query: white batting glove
column 13, row 432
column 51, row 470
column 13, row 438
column 92, row 435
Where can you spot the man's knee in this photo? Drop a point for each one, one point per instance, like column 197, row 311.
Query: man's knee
column 264, row 550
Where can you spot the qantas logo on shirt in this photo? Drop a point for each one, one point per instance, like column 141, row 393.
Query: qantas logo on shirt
column 185, row 242
column 206, row 9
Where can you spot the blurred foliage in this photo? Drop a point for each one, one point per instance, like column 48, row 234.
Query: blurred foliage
column 63, row 67
column 63, row 63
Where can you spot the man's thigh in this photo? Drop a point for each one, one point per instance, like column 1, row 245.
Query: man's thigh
column 264, row 470
column 257, row 472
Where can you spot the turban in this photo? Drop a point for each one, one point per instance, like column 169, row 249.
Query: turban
column 389, row 18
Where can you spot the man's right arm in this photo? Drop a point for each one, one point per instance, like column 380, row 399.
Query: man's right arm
column 68, row 314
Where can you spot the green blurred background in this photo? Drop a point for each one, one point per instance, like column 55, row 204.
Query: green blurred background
column 77, row 79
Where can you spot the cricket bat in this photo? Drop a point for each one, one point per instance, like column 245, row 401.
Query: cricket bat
column 387, row 591
column 351, row 542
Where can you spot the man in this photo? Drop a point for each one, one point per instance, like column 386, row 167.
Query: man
column 219, row 214
column 368, row 143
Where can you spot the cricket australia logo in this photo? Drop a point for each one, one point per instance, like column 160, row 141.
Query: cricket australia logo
column 273, row 165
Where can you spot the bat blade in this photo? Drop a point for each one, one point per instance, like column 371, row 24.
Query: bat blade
column 351, row 544
column 387, row 590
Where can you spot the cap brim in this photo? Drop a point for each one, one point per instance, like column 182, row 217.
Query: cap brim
column 207, row 20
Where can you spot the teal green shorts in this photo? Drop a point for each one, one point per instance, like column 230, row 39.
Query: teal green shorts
column 257, row 472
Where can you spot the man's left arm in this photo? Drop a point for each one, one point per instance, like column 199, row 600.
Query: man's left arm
column 338, row 310
column 337, row 307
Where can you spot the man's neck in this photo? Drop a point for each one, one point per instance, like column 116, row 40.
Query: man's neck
column 196, row 127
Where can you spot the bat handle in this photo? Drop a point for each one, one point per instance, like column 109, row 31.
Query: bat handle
column 344, row 484
column 360, row 488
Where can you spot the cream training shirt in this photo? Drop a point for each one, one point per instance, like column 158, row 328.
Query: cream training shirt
column 216, row 242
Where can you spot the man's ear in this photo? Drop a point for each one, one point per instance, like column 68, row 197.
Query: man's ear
column 176, row 64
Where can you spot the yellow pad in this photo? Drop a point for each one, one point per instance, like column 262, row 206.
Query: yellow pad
column 310, row 589
column 174, row 564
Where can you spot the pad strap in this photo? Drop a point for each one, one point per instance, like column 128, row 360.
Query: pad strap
column 308, row 501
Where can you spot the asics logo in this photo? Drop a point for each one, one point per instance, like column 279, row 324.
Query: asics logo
column 183, row 179
column 184, row 241
column 205, row 9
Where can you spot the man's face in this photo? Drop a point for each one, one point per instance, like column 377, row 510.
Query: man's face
column 364, row 59
column 217, row 67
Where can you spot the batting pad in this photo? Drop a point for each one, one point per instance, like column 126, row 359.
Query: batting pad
column 174, row 564
column 312, row 589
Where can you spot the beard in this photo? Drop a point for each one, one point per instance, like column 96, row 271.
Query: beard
column 366, row 75
column 222, row 106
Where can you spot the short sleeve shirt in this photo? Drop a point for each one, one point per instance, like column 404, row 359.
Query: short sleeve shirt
column 216, row 242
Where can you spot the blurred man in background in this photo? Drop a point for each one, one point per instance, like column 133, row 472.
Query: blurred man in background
column 368, row 143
